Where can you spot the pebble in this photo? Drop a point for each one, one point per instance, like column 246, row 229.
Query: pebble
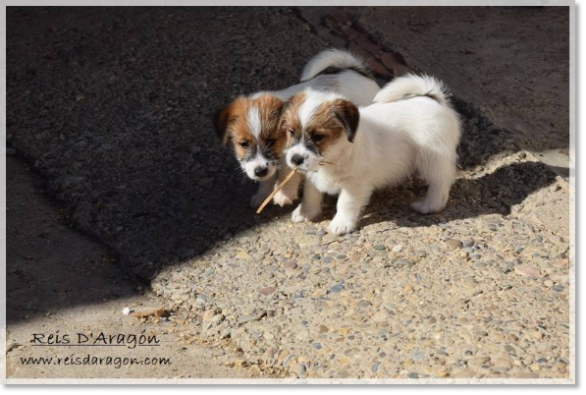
column 267, row 291
column 468, row 243
column 548, row 283
column 380, row 247
column 397, row 248
column 453, row 244
column 302, row 370
column 527, row 270
column 305, row 240
column 243, row 255
column 337, row 288
column 413, row 375
column 501, row 363
column 478, row 362
column 417, row 355
column 328, row 238
column 558, row 288
column 537, row 335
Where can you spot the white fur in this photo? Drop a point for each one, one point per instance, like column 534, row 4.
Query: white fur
column 392, row 141
column 331, row 58
column 355, row 87
column 254, row 123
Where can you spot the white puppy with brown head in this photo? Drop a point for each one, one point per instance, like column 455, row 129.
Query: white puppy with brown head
column 353, row 151
column 249, row 123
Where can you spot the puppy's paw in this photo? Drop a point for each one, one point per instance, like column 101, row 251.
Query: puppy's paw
column 284, row 198
column 258, row 198
column 424, row 207
column 341, row 225
column 300, row 214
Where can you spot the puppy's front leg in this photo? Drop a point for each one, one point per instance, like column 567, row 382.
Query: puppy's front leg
column 289, row 193
column 310, row 207
column 350, row 204
column 264, row 190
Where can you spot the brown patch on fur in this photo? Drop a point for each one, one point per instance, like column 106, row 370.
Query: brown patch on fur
column 330, row 121
column 290, row 126
column 232, row 124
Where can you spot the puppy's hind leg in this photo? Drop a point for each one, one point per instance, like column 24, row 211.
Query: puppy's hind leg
column 439, row 171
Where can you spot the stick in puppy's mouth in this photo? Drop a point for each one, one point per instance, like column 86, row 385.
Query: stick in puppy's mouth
column 281, row 185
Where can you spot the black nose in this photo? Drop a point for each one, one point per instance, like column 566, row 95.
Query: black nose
column 261, row 171
column 297, row 159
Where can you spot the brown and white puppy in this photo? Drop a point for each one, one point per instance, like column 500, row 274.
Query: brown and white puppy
column 349, row 151
column 250, row 123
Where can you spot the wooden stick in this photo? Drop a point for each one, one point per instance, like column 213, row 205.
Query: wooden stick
column 277, row 189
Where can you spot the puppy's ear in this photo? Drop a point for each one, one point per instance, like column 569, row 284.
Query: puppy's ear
column 348, row 114
column 221, row 121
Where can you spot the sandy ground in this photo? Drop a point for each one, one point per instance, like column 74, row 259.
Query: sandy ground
column 121, row 134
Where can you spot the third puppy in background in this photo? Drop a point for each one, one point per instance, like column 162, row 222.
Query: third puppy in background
column 353, row 151
column 250, row 123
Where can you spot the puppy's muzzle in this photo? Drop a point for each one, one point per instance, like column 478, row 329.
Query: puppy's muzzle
column 297, row 160
column 261, row 171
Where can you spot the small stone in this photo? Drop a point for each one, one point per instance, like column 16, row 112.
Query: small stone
column 336, row 288
column 323, row 329
column 534, row 367
column 217, row 319
column 243, row 255
column 537, row 335
column 501, row 363
column 302, row 370
column 209, row 315
column 558, row 288
column 408, row 288
column 380, row 247
column 548, row 283
column 328, row 238
column 513, row 337
column 453, row 244
column 374, row 367
column 561, row 262
column 442, row 373
column 413, row 375
column 478, row 362
column 417, row 355
column 317, row 346
column 398, row 248
column 468, row 243
column 126, row 311
column 267, row 291
column 305, row 240
column 527, row 270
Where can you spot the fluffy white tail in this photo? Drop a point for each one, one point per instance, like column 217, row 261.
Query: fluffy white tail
column 410, row 85
column 332, row 58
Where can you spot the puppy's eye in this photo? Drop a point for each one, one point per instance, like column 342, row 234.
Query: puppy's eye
column 291, row 132
column 244, row 144
column 317, row 137
column 271, row 141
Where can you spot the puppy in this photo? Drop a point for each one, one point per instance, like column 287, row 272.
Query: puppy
column 353, row 151
column 250, row 123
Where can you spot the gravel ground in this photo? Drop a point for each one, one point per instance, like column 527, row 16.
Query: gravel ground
column 122, row 134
